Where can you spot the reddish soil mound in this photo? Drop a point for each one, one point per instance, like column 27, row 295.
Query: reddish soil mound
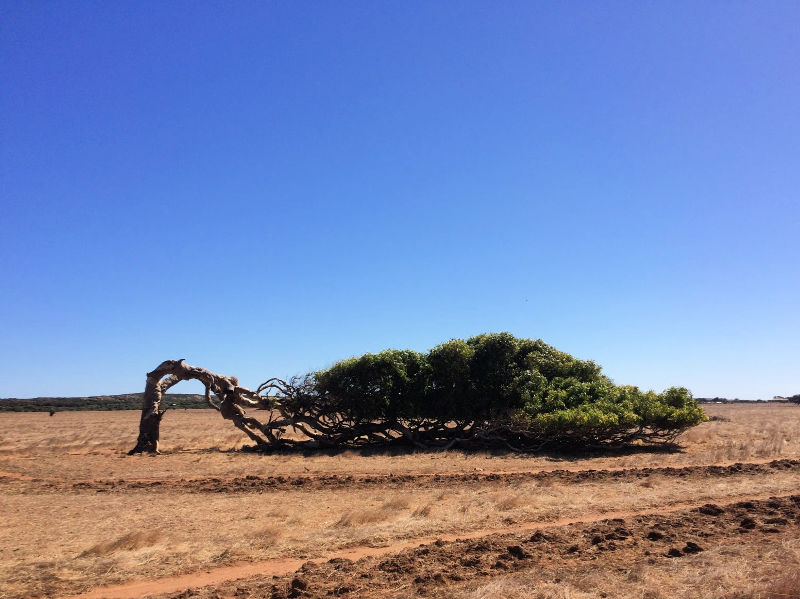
column 549, row 553
column 254, row 483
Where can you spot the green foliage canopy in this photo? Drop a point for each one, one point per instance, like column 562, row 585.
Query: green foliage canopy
column 497, row 386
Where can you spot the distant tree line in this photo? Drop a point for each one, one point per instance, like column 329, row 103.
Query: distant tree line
column 777, row 398
column 128, row 401
column 737, row 400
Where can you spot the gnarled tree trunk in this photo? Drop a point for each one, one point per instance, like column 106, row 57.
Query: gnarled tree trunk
column 170, row 372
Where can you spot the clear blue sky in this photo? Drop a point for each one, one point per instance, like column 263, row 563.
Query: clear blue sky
column 264, row 188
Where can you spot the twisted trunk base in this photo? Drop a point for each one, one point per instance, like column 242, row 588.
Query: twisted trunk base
column 170, row 372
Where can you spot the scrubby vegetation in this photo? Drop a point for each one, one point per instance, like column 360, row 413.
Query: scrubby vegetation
column 492, row 389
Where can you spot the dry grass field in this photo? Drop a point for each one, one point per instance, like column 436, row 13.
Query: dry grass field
column 720, row 517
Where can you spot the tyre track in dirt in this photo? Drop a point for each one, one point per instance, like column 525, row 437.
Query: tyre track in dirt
column 255, row 483
column 672, row 531
column 258, row 483
column 548, row 555
column 15, row 476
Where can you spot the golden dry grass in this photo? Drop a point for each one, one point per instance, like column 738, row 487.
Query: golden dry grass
column 201, row 443
column 62, row 538
column 127, row 542
column 783, row 587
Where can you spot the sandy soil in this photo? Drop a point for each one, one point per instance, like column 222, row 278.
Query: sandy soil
column 82, row 517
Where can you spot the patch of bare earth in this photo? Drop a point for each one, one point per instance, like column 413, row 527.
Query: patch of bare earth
column 78, row 513
column 708, row 551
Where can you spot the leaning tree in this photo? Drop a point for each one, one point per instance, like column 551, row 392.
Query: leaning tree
column 230, row 397
column 488, row 390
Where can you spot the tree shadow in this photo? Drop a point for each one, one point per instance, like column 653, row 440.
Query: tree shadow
column 556, row 453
